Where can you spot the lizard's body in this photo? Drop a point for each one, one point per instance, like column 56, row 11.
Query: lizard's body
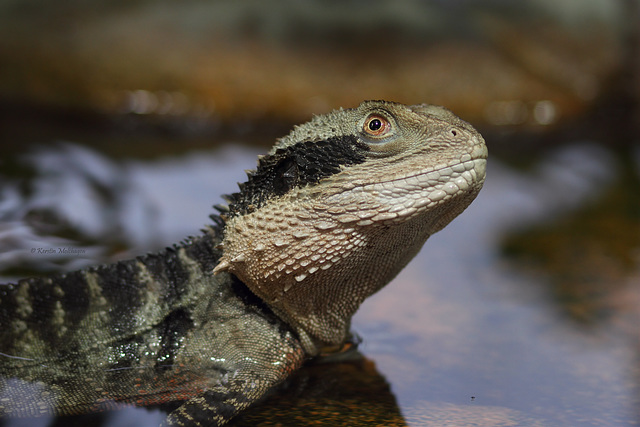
column 157, row 329
column 331, row 215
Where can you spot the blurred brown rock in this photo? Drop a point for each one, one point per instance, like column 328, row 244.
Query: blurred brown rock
column 497, row 62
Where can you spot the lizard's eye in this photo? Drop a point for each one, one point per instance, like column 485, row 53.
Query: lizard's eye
column 376, row 125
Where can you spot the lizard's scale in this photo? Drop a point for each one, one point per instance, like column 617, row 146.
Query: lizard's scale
column 332, row 213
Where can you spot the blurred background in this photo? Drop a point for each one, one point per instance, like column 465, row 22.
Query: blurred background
column 123, row 122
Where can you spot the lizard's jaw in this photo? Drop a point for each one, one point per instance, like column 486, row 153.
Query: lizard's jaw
column 404, row 197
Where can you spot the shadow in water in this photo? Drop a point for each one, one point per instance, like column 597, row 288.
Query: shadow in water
column 350, row 393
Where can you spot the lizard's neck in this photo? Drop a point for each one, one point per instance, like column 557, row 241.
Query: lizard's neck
column 321, row 306
column 327, row 262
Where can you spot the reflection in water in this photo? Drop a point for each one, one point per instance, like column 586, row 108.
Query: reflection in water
column 480, row 325
column 588, row 253
column 467, row 333
column 71, row 199
column 351, row 393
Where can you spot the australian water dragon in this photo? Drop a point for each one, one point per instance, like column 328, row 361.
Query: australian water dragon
column 333, row 212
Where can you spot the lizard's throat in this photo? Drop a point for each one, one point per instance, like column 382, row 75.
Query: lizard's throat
column 317, row 280
column 315, row 272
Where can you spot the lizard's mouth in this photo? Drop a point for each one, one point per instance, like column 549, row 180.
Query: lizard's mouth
column 451, row 179
column 454, row 176
column 471, row 167
column 403, row 197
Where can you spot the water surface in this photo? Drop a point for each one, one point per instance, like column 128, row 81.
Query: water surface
column 508, row 317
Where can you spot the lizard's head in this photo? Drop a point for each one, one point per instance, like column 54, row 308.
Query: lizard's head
column 342, row 204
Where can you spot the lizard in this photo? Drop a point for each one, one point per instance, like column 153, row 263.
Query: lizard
column 330, row 215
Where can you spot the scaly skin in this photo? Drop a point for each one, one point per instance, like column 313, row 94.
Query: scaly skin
column 331, row 215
